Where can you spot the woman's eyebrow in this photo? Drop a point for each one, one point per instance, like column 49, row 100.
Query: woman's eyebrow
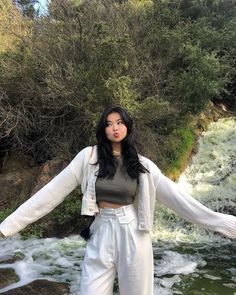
column 114, row 121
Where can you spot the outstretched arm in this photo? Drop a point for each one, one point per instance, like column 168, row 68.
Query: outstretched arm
column 47, row 198
column 169, row 193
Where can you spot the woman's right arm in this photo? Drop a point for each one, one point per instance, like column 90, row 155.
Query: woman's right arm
column 170, row 194
column 47, row 198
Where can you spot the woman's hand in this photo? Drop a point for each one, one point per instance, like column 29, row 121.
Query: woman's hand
column 1, row 235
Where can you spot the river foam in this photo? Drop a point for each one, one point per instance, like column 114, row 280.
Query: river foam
column 210, row 178
column 51, row 259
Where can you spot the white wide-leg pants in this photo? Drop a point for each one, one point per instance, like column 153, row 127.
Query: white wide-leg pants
column 117, row 246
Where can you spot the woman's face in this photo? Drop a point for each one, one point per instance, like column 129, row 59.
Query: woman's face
column 115, row 130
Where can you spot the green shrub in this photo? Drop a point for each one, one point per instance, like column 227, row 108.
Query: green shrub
column 69, row 209
column 159, row 59
column 32, row 231
column 4, row 213
column 179, row 143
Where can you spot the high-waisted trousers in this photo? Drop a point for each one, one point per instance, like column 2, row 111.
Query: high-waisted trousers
column 117, row 246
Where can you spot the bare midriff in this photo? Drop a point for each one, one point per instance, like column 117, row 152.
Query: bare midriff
column 103, row 204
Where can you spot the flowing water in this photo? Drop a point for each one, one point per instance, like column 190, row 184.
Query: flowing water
column 188, row 260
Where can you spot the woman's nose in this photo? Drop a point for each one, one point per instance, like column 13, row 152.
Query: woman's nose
column 115, row 127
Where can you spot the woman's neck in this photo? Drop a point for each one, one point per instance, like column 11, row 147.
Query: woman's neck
column 116, row 149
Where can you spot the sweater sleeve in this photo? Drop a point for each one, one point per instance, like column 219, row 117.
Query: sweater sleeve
column 170, row 194
column 46, row 199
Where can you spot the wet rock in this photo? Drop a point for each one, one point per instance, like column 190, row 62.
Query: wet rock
column 40, row 287
column 9, row 259
column 7, row 277
column 6, row 259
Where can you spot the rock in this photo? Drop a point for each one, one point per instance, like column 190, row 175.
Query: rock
column 40, row 287
column 15, row 187
column 8, row 259
column 16, row 161
column 20, row 178
column 17, row 178
column 7, row 277
column 48, row 170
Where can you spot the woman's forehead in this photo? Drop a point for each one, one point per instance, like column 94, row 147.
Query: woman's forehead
column 114, row 117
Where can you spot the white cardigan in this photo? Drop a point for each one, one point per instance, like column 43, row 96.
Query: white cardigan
column 154, row 185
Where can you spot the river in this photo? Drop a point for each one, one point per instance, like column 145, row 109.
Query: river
column 188, row 259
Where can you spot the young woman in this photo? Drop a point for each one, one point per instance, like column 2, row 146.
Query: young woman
column 120, row 188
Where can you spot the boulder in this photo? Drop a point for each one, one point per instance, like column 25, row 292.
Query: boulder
column 7, row 277
column 17, row 179
column 40, row 287
column 20, row 178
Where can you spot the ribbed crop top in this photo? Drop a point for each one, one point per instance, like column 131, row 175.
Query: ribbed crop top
column 121, row 189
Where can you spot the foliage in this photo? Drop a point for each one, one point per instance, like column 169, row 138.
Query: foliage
column 13, row 29
column 199, row 80
column 4, row 213
column 33, row 231
column 161, row 60
column 180, row 145
column 69, row 209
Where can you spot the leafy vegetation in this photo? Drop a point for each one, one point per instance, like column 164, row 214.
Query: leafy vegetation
column 33, row 231
column 5, row 213
column 161, row 60
column 69, row 209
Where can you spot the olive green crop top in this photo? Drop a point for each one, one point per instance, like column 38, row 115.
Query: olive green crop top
column 121, row 189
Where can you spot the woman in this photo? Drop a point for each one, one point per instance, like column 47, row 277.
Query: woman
column 120, row 188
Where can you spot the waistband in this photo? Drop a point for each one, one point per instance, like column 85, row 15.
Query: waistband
column 117, row 212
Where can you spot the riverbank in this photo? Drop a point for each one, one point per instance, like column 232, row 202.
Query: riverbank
column 181, row 143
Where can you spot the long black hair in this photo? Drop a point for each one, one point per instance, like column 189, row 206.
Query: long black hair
column 106, row 160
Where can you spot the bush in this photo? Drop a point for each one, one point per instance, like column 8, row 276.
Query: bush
column 69, row 209
column 158, row 59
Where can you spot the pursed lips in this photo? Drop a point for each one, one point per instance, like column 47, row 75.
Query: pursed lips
column 116, row 134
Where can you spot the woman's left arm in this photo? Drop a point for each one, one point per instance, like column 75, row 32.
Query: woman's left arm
column 170, row 194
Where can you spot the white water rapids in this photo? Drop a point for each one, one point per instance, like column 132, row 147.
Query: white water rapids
column 185, row 255
column 210, row 178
